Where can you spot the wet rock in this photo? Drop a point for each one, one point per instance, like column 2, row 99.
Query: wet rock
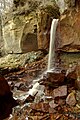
column 23, row 87
column 53, row 79
column 60, row 91
column 40, row 96
column 40, row 106
column 11, row 84
column 29, row 99
column 52, row 104
column 35, row 89
column 17, row 85
column 48, row 98
column 36, row 93
column 20, row 86
column 71, row 100
column 56, row 77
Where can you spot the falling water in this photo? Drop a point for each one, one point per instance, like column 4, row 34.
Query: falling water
column 37, row 87
column 51, row 58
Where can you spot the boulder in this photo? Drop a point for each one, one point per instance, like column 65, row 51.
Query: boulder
column 60, row 91
column 72, row 76
column 71, row 99
column 44, row 107
column 6, row 100
column 55, row 77
column 52, row 104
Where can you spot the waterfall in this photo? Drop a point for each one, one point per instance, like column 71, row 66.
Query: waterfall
column 51, row 58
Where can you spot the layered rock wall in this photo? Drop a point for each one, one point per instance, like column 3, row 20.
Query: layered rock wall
column 16, row 27
column 26, row 27
column 69, row 29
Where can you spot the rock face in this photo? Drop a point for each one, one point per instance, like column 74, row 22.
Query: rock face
column 69, row 25
column 29, row 22
column 19, row 29
column 1, row 39
column 70, row 29
column 69, row 34
column 45, row 16
column 27, row 25
column 25, row 22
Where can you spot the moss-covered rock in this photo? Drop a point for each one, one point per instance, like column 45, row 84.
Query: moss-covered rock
column 16, row 60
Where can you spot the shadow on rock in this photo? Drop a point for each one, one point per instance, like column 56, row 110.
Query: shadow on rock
column 6, row 100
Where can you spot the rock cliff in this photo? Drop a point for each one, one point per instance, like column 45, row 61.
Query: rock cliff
column 25, row 25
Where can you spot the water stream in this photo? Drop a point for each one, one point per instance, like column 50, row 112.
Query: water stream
column 51, row 58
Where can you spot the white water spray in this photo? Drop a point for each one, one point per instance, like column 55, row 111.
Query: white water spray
column 37, row 88
column 51, row 58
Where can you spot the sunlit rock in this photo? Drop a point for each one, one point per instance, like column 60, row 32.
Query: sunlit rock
column 53, row 104
column 22, row 25
column 60, row 91
column 71, row 100
column 44, row 107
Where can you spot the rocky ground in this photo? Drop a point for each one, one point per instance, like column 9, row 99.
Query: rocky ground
column 41, row 95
